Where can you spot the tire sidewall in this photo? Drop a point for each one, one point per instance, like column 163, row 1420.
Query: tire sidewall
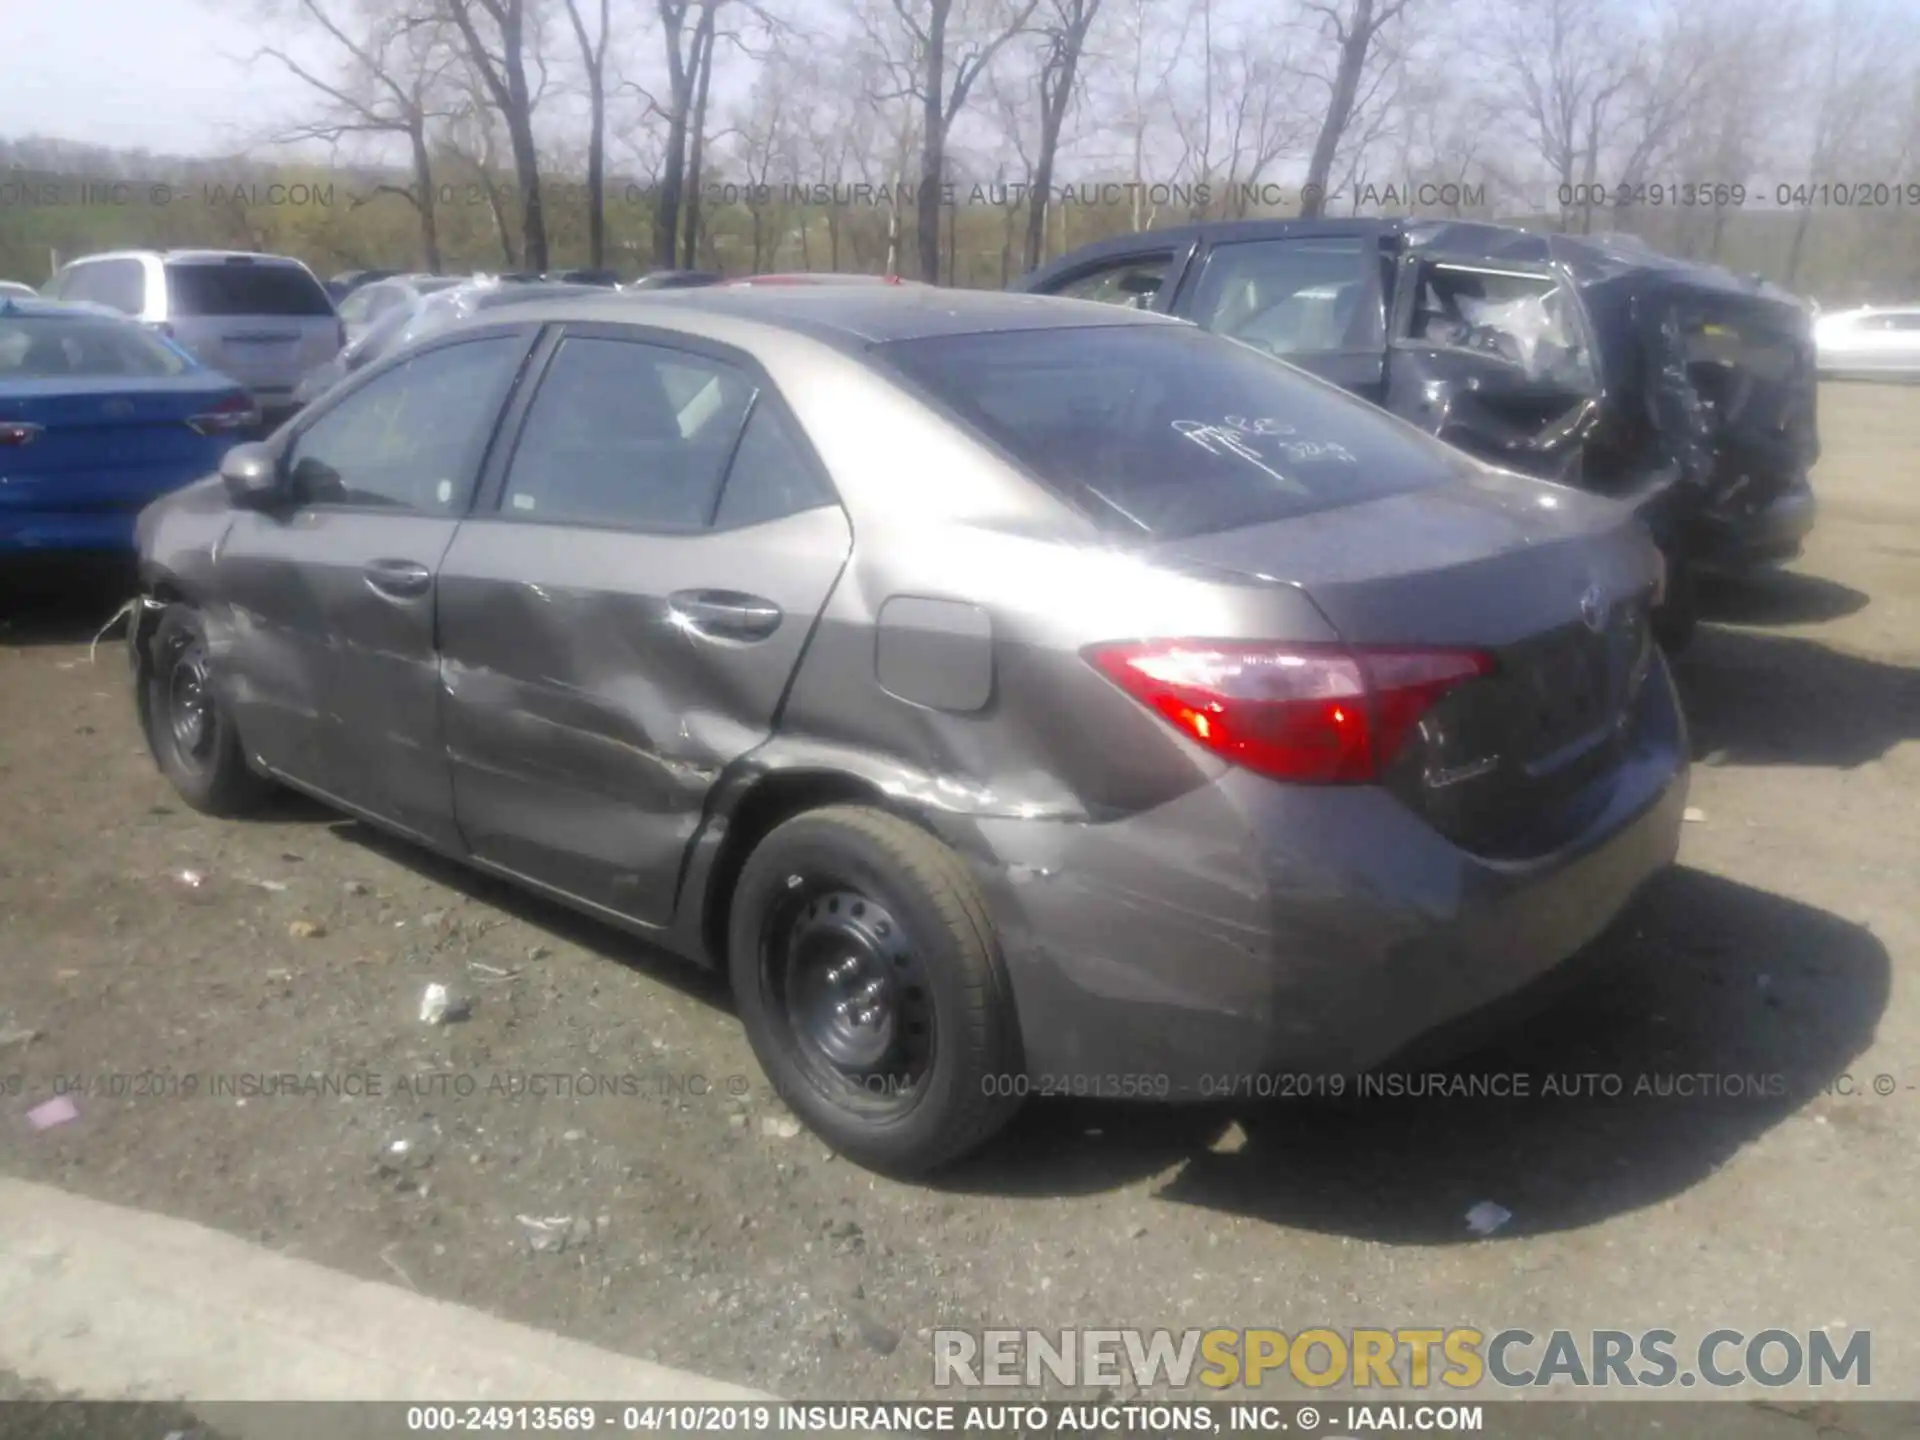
column 822, row 850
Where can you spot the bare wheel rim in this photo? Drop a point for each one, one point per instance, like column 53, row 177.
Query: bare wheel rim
column 190, row 714
column 848, row 988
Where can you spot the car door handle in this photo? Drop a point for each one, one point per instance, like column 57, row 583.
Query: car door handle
column 399, row 579
column 725, row 614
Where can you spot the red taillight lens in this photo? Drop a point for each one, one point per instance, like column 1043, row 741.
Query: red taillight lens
column 1311, row 714
column 236, row 412
column 15, row 433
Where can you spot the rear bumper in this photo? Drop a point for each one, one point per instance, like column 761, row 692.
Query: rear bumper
column 1768, row 536
column 52, row 532
column 1249, row 929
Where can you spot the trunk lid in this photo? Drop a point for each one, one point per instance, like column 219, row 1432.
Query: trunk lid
column 107, row 442
column 1556, row 585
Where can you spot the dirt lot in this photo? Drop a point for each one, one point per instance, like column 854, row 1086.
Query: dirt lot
column 702, row 1231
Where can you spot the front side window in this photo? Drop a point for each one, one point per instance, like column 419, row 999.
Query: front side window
column 1163, row 431
column 1292, row 297
column 412, row 437
column 626, row 433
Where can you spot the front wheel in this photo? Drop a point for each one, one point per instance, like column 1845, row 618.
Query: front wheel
column 192, row 737
column 871, row 984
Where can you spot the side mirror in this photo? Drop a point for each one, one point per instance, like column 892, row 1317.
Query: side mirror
column 252, row 475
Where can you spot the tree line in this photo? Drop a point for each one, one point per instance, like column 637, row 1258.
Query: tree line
column 967, row 140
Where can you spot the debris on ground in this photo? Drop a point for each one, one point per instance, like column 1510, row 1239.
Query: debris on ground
column 189, row 879
column 49, row 1113
column 1694, row 815
column 780, row 1127
column 1487, row 1217
column 306, row 929
column 554, row 1233
column 355, row 887
column 276, row 886
column 440, row 1006
column 11, row 1035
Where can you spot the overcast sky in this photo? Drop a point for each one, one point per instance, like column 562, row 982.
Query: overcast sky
column 169, row 75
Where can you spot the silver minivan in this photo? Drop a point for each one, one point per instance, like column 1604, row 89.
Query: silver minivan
column 265, row 320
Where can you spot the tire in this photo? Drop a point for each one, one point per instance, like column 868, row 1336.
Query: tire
column 198, row 752
column 850, row 886
column 1679, row 613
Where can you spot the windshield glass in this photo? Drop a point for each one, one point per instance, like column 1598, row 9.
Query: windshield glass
column 1164, row 431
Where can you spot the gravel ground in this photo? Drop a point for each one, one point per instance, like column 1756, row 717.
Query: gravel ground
column 237, row 1004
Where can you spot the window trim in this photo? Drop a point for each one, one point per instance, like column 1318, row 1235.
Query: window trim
column 491, row 492
column 289, row 439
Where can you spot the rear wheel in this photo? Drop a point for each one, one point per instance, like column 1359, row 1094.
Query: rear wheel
column 191, row 735
column 870, row 981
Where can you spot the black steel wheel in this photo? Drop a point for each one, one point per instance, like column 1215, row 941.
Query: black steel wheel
column 870, row 980
column 192, row 739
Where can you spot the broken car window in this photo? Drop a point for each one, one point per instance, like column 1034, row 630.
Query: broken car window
column 1525, row 320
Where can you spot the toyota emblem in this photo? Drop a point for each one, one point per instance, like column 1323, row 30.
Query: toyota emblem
column 1593, row 609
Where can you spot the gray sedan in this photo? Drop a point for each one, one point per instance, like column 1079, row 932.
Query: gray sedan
column 1011, row 695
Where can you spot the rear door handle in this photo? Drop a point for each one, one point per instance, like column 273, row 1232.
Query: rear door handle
column 399, row 579
column 725, row 614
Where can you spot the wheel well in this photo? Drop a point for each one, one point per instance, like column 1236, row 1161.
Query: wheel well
column 771, row 802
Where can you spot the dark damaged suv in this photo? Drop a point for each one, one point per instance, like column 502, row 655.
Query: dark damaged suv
column 1592, row 361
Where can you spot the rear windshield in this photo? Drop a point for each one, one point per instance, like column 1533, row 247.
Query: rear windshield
column 244, row 289
column 1164, row 431
column 48, row 347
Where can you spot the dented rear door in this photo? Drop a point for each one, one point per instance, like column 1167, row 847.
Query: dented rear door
column 620, row 618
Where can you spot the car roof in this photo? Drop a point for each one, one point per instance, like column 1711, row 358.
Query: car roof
column 190, row 257
column 37, row 307
column 844, row 315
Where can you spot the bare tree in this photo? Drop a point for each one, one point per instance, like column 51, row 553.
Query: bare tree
column 593, row 57
column 916, row 38
column 1353, row 26
column 500, row 41
column 1064, row 33
column 394, row 66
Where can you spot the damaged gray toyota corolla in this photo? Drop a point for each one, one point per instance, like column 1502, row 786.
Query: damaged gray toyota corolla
column 1010, row 694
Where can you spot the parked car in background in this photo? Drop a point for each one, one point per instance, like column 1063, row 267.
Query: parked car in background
column 673, row 280
column 14, row 287
column 368, row 303
column 263, row 319
column 1598, row 362
column 1176, row 717
column 821, row 277
column 426, row 314
column 99, row 416
column 603, row 279
column 348, row 281
column 1873, row 342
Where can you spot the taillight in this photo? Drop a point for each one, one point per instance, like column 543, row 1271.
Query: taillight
column 1313, row 714
column 15, row 433
column 235, row 413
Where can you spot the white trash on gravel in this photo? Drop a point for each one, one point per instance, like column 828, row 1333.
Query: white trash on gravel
column 1487, row 1217
column 440, row 1006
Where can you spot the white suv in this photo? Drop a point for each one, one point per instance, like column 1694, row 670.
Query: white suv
column 265, row 320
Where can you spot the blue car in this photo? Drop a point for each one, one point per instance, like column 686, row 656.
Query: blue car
column 100, row 416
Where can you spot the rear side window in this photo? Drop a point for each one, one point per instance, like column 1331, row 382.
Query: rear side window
column 629, row 434
column 244, row 288
column 41, row 348
column 1164, row 431
column 119, row 284
column 771, row 477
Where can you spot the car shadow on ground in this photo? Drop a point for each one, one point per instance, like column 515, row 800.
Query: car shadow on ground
column 1777, row 597
column 1715, row 1010
column 1753, row 698
column 64, row 604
